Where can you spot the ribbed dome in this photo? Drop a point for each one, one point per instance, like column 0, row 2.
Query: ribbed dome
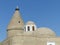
column 30, row 23
column 44, row 32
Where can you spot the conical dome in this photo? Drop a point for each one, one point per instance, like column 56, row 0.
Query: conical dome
column 16, row 21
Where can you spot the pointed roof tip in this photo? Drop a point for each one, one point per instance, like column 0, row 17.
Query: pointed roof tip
column 17, row 8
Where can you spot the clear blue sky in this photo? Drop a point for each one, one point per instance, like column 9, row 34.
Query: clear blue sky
column 45, row 13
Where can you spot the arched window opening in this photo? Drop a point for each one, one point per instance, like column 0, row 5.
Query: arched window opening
column 50, row 43
column 33, row 28
column 18, row 21
column 28, row 28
